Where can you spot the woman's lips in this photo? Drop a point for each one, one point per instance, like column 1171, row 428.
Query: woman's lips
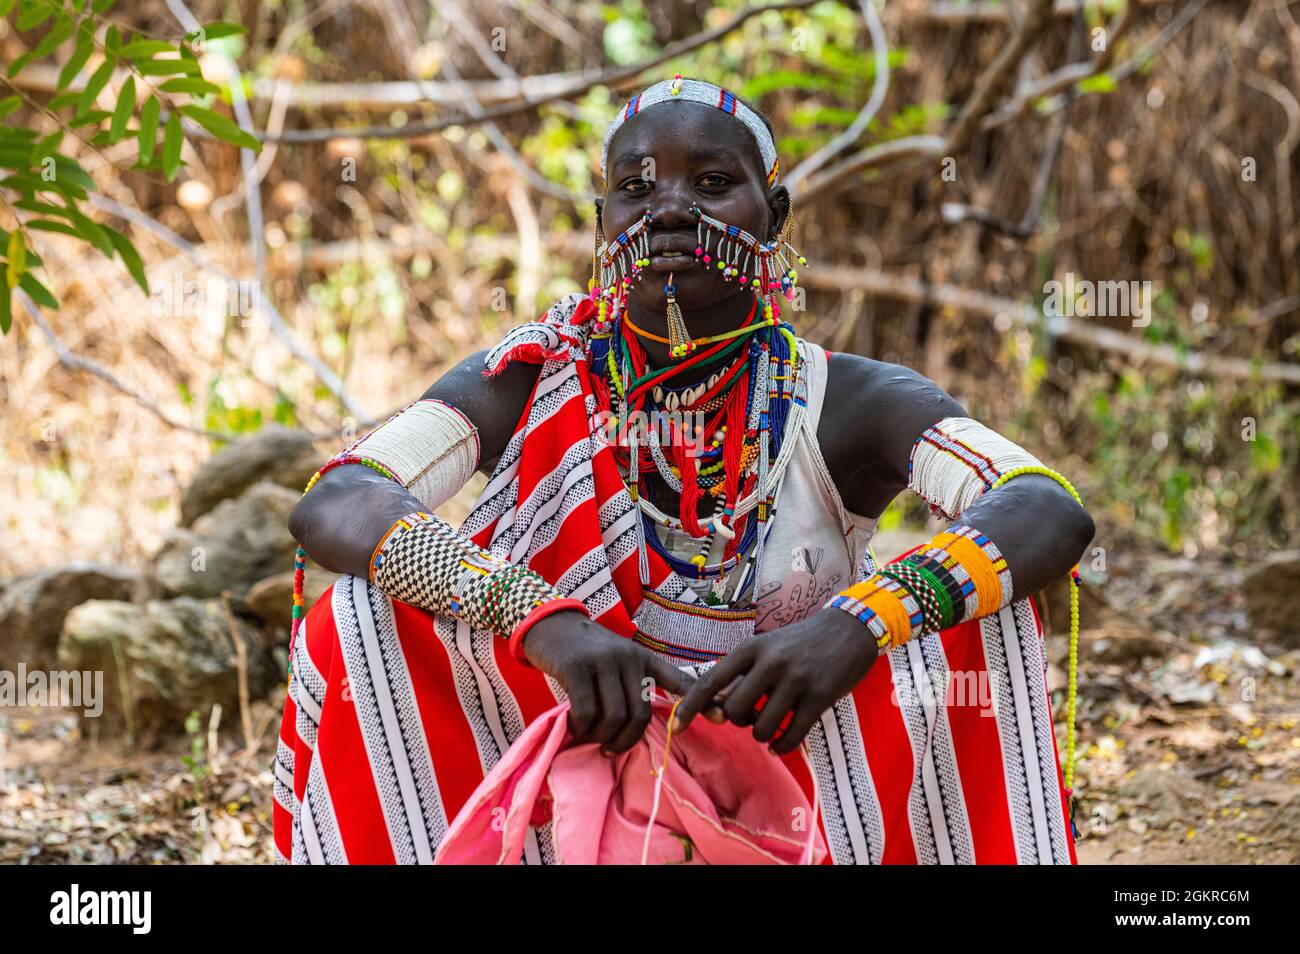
column 672, row 261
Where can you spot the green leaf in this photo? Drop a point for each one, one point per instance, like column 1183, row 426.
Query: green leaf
column 24, row 182
column 40, row 294
column 130, row 257
column 213, row 31
column 94, row 117
column 98, row 80
column 112, row 43
column 45, row 225
column 5, row 7
column 9, row 104
column 92, row 232
column 124, row 111
column 63, row 99
column 99, row 6
column 47, row 146
column 15, row 157
column 221, row 127
column 80, row 53
column 40, row 208
column 6, row 316
column 168, row 67
column 148, row 134
column 17, row 254
column 17, row 65
column 1101, row 83
column 143, row 49
column 196, row 87
column 173, row 137
column 33, row 16
column 61, row 30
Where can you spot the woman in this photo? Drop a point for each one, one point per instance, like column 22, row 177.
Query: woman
column 673, row 472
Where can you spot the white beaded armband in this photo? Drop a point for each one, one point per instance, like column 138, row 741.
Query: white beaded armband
column 955, row 461
column 429, row 446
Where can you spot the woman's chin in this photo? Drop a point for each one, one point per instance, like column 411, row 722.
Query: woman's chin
column 694, row 288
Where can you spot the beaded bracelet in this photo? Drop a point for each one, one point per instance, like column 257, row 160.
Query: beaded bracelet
column 423, row 561
column 1072, row 692
column 960, row 575
column 300, row 555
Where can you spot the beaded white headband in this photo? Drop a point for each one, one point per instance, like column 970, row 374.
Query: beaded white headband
column 696, row 91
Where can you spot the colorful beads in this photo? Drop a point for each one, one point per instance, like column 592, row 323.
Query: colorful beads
column 959, row 575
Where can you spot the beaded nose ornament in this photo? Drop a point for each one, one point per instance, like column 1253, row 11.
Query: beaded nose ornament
column 764, row 267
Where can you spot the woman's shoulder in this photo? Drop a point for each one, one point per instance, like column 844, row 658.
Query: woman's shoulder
column 561, row 333
column 856, row 380
column 872, row 413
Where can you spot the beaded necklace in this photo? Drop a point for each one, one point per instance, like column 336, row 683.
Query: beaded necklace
column 746, row 407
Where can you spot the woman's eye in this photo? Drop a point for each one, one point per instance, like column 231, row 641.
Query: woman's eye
column 636, row 185
column 713, row 181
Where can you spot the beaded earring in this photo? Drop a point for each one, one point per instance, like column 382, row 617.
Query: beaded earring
column 597, row 241
column 619, row 263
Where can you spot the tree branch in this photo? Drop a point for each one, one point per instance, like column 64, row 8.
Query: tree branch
column 587, row 80
column 274, row 318
column 990, row 83
column 75, row 362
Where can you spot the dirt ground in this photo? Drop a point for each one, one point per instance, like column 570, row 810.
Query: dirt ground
column 1187, row 751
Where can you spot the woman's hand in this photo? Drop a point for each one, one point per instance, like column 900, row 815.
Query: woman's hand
column 803, row 669
column 609, row 679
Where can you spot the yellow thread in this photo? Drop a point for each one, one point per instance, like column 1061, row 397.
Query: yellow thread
column 1072, row 693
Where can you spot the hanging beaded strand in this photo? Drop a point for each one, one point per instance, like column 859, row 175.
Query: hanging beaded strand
column 620, row 261
column 732, row 251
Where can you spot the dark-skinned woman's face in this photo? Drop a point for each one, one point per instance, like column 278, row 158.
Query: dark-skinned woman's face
column 673, row 156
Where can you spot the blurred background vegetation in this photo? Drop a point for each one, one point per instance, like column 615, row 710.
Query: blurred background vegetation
column 383, row 228
column 391, row 258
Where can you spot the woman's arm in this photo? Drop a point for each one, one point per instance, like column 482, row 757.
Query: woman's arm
column 353, row 511
column 872, row 420
column 351, row 507
column 867, row 433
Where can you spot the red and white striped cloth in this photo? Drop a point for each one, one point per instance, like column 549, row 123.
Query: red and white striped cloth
column 944, row 753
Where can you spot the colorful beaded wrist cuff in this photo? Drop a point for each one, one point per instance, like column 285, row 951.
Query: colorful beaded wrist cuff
column 960, row 575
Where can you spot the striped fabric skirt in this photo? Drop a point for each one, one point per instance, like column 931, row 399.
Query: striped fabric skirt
column 943, row 754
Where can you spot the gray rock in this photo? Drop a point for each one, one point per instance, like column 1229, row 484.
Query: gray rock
column 1271, row 595
column 32, row 608
column 271, row 600
column 278, row 454
column 176, row 656
column 228, row 550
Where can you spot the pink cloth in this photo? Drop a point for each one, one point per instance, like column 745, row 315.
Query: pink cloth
column 725, row 800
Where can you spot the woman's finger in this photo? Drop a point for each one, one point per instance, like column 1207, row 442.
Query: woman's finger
column 668, row 677
column 708, row 685
column 613, row 706
column 805, row 715
column 777, row 707
column 740, row 702
column 638, row 711
column 583, row 708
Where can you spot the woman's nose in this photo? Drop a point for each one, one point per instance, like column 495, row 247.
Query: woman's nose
column 668, row 212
